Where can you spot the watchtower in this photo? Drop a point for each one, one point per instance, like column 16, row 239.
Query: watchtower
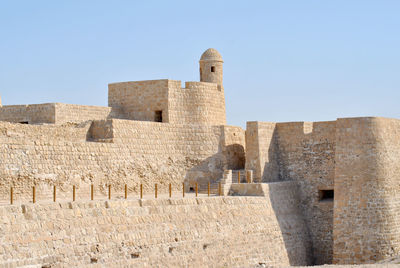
column 211, row 67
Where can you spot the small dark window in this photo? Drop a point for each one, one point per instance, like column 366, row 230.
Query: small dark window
column 158, row 116
column 212, row 69
column 24, row 122
column 326, row 195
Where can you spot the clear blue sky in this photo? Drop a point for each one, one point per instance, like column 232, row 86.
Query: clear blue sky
column 284, row 60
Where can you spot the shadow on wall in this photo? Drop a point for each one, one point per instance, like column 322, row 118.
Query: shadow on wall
column 285, row 203
column 212, row 168
column 234, row 156
column 271, row 171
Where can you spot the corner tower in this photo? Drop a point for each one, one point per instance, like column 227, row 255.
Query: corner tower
column 211, row 67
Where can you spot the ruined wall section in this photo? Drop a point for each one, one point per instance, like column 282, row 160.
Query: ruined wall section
column 367, row 187
column 197, row 103
column 212, row 232
column 109, row 152
column 32, row 114
column 140, row 100
column 302, row 152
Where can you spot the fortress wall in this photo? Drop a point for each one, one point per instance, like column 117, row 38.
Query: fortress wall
column 367, row 190
column 233, row 147
column 303, row 152
column 197, row 103
column 135, row 152
column 201, row 232
column 139, row 100
column 33, row 113
column 80, row 113
column 261, row 151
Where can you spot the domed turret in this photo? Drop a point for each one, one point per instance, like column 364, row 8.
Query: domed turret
column 211, row 67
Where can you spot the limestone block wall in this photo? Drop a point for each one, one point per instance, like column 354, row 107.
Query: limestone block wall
column 302, row 152
column 140, row 100
column 195, row 232
column 79, row 113
column 197, row 103
column 114, row 152
column 32, row 114
column 233, row 147
column 261, row 151
column 367, row 190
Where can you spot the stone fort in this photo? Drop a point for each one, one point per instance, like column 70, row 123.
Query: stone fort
column 310, row 192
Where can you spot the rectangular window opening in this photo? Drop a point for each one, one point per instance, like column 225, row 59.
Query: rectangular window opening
column 24, row 122
column 212, row 69
column 326, row 195
column 158, row 116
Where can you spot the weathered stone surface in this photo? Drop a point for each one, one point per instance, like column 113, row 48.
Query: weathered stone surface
column 209, row 232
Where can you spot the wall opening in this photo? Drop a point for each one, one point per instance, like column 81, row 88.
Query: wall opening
column 24, row 122
column 326, row 195
column 213, row 69
column 158, row 116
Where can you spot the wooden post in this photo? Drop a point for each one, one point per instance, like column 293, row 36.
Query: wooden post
column 219, row 189
column 208, row 189
column 126, row 191
column 91, row 192
column 247, row 177
column 109, row 191
column 11, row 196
column 141, row 191
column 238, row 176
column 170, row 190
column 183, row 189
column 73, row 193
column 155, row 190
column 54, row 193
column 196, row 189
column 33, row 194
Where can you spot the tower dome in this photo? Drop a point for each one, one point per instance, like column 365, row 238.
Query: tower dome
column 211, row 67
column 211, row 54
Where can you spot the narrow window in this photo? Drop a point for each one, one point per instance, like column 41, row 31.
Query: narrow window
column 212, row 69
column 326, row 195
column 158, row 116
column 24, row 122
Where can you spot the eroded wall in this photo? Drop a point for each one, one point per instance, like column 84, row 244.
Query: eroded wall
column 201, row 232
column 302, row 152
column 367, row 190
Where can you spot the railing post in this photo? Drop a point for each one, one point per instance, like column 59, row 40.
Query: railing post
column 109, row 191
column 155, row 190
column 54, row 193
column 91, row 192
column 238, row 176
column 219, row 189
column 208, row 189
column 196, row 189
column 126, row 191
column 183, row 189
column 141, row 191
column 33, row 194
column 73, row 193
column 11, row 196
column 170, row 190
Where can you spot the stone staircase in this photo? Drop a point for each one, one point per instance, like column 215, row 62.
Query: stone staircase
column 229, row 177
